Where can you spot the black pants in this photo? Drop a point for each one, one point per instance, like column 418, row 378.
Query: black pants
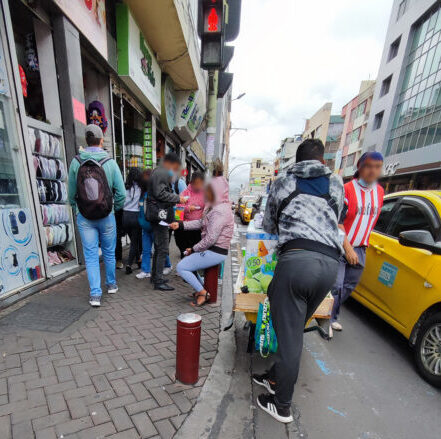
column 133, row 229
column 186, row 239
column 119, row 234
column 161, row 241
column 301, row 281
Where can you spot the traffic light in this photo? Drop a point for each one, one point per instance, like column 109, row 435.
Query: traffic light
column 218, row 22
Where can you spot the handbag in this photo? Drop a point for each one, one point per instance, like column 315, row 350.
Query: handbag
column 265, row 336
column 156, row 211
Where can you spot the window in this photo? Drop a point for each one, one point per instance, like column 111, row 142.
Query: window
column 385, row 215
column 408, row 217
column 378, row 120
column 385, row 86
column 350, row 160
column 258, row 164
column 393, row 49
column 402, row 9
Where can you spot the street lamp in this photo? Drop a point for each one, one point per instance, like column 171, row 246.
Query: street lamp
column 237, row 166
column 238, row 97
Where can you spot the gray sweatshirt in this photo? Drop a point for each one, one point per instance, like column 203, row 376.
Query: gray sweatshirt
column 306, row 217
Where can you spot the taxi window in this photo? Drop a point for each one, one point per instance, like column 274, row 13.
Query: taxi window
column 385, row 215
column 409, row 217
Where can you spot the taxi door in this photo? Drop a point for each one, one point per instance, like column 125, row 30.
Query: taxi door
column 400, row 279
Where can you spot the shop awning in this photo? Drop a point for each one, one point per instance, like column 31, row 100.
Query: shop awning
column 162, row 26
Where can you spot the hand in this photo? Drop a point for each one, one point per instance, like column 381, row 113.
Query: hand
column 192, row 208
column 351, row 256
column 187, row 252
column 174, row 226
column 182, row 200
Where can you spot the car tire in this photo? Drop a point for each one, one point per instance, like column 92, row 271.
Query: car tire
column 428, row 363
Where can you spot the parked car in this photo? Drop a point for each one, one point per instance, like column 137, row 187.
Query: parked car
column 402, row 279
column 246, row 211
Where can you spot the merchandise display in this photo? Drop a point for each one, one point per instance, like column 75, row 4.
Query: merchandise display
column 260, row 259
column 51, row 175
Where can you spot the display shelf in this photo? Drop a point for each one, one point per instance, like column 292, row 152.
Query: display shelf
column 9, row 195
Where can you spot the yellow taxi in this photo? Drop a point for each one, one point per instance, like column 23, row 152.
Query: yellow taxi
column 402, row 279
column 246, row 211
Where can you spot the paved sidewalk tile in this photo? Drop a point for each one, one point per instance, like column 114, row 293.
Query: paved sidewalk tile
column 110, row 374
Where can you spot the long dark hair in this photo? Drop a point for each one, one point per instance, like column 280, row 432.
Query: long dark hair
column 133, row 177
column 143, row 183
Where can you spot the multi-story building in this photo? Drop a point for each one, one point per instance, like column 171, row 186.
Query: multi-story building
column 286, row 154
column 405, row 119
column 261, row 173
column 356, row 115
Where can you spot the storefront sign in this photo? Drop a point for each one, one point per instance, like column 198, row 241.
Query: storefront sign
column 89, row 16
column 137, row 65
column 168, row 101
column 391, row 168
column 185, row 102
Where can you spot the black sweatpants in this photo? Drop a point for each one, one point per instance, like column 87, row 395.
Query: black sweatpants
column 133, row 229
column 301, row 281
column 161, row 241
column 119, row 234
column 186, row 239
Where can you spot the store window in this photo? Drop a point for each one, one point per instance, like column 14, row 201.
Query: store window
column 393, row 50
column 19, row 249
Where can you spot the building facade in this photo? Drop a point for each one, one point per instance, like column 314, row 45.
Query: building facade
column 261, row 174
column 356, row 116
column 405, row 119
column 326, row 127
column 64, row 65
column 286, row 154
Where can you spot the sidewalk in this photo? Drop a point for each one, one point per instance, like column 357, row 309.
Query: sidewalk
column 108, row 374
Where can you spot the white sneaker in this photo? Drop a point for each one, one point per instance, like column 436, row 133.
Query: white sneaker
column 112, row 289
column 167, row 270
column 336, row 326
column 143, row 275
column 95, row 302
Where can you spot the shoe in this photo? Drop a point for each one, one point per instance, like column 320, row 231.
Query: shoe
column 336, row 326
column 264, row 381
column 129, row 269
column 119, row 265
column 267, row 404
column 164, row 287
column 95, row 302
column 167, row 270
column 112, row 289
column 143, row 275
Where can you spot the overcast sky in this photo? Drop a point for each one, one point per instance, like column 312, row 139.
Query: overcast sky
column 291, row 57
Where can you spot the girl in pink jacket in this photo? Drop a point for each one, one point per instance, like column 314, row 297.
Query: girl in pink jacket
column 193, row 210
column 217, row 226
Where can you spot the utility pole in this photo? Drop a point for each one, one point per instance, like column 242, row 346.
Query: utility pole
column 211, row 119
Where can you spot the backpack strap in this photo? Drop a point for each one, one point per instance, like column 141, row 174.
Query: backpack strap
column 103, row 161
column 176, row 185
column 79, row 160
column 285, row 203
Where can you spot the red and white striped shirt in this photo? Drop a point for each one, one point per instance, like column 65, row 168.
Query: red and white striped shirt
column 363, row 209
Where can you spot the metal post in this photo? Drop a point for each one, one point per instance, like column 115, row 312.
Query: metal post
column 123, row 142
column 211, row 276
column 211, row 118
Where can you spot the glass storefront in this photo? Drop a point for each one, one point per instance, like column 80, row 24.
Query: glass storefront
column 417, row 117
column 20, row 255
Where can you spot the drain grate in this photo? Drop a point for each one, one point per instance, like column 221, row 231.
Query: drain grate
column 48, row 317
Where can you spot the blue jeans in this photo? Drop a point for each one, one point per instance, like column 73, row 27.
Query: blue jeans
column 147, row 243
column 93, row 233
column 198, row 261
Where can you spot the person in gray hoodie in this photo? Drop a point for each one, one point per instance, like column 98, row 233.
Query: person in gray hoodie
column 303, row 208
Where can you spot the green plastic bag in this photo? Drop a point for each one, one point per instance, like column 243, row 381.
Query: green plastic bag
column 265, row 337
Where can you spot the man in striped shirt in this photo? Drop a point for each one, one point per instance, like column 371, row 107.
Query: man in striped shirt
column 363, row 203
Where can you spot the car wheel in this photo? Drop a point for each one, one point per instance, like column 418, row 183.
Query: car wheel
column 428, row 350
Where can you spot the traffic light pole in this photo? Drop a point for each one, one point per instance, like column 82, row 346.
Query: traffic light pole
column 211, row 118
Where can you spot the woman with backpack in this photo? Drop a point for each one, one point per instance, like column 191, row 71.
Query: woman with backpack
column 130, row 216
column 147, row 231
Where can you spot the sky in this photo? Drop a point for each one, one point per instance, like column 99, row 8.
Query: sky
column 293, row 56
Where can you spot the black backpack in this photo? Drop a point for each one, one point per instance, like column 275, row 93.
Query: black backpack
column 94, row 197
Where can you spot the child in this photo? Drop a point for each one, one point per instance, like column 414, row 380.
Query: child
column 217, row 226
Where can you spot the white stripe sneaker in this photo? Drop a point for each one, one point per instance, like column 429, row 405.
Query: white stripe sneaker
column 266, row 403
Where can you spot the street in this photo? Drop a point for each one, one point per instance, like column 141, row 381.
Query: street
column 362, row 384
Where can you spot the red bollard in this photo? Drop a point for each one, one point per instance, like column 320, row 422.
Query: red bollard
column 188, row 342
column 210, row 282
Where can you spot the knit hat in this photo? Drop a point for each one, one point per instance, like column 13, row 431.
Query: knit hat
column 372, row 155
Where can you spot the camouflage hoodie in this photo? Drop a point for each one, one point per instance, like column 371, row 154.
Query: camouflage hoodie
column 306, row 216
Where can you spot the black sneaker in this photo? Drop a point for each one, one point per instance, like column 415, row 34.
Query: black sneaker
column 264, row 381
column 129, row 269
column 164, row 287
column 266, row 403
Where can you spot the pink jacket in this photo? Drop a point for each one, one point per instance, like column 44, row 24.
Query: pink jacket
column 196, row 199
column 217, row 222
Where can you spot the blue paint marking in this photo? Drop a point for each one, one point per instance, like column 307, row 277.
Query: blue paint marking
column 387, row 275
column 337, row 412
column 322, row 365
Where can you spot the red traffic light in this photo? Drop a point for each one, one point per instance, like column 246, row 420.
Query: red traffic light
column 213, row 21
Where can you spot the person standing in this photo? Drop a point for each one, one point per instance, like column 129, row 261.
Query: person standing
column 130, row 216
column 96, row 189
column 303, row 208
column 193, row 210
column 160, row 191
column 363, row 203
